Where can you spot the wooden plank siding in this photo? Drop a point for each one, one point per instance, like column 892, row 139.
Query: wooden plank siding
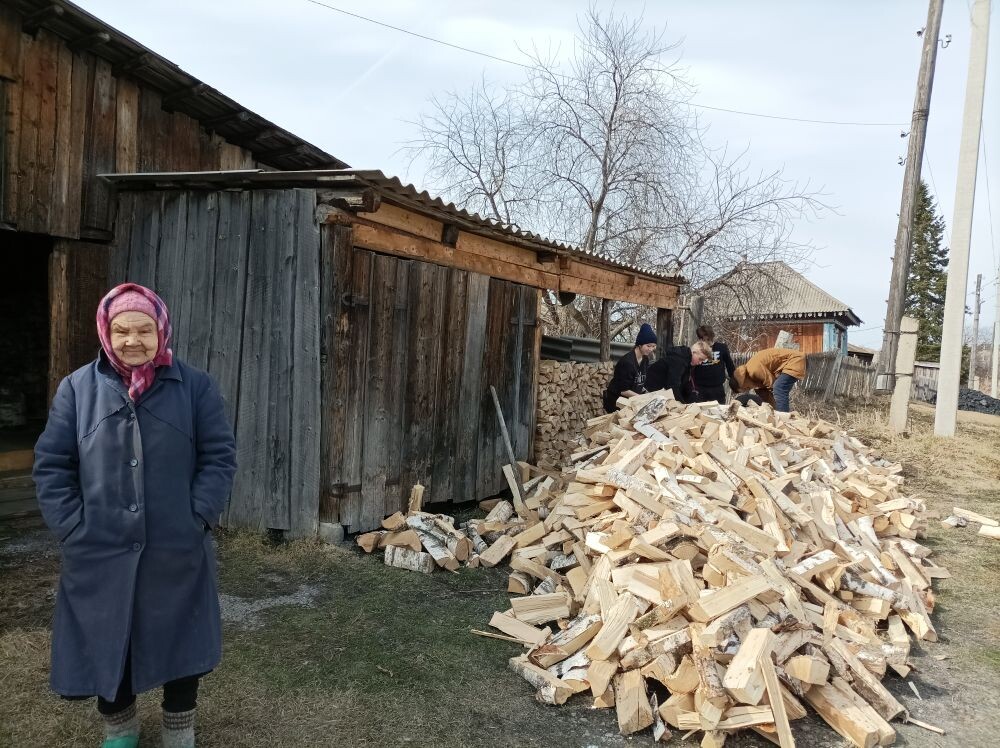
column 66, row 118
column 411, row 349
column 240, row 273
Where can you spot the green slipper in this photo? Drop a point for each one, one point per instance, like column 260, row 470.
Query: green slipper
column 123, row 741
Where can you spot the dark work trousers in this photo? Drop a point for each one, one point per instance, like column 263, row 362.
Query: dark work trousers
column 179, row 695
column 782, row 390
column 706, row 394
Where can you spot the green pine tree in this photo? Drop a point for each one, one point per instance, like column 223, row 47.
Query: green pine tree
column 925, row 287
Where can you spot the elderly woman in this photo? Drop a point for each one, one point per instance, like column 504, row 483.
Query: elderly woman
column 132, row 471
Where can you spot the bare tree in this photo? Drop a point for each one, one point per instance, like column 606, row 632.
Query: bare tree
column 476, row 148
column 601, row 151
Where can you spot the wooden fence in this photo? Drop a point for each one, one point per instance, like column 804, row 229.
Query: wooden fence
column 832, row 375
column 925, row 380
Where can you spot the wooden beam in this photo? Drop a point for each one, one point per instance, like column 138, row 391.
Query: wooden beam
column 89, row 41
column 605, row 329
column 212, row 123
column 291, row 151
column 665, row 325
column 37, row 19
column 132, row 64
column 352, row 199
column 384, row 229
column 171, row 100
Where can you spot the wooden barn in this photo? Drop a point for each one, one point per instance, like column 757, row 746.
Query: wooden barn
column 752, row 304
column 355, row 326
column 77, row 99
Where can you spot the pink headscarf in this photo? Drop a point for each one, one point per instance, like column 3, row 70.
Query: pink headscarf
column 133, row 297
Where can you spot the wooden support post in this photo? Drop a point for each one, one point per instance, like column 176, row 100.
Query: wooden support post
column 694, row 315
column 911, row 180
column 904, row 374
column 664, row 329
column 605, row 329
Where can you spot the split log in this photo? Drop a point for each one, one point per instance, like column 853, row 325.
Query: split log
column 369, row 541
column 551, row 690
column 632, row 703
column 744, row 678
column 498, row 551
column 406, row 558
column 403, row 538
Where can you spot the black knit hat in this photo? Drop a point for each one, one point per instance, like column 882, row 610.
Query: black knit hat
column 646, row 335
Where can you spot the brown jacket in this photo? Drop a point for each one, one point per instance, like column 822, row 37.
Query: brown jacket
column 765, row 366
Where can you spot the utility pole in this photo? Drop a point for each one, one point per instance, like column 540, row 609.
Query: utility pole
column 995, row 367
column 911, row 180
column 975, row 333
column 946, row 409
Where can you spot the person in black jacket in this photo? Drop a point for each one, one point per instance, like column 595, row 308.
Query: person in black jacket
column 710, row 375
column 672, row 370
column 629, row 378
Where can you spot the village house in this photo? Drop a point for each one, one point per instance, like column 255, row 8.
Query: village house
column 753, row 303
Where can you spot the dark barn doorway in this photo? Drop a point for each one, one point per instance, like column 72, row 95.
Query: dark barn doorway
column 24, row 363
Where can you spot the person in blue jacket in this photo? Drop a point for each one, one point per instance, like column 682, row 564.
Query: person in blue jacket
column 132, row 471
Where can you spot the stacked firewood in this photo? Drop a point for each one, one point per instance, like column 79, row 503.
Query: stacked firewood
column 569, row 393
column 716, row 568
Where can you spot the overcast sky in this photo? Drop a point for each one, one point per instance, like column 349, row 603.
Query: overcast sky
column 353, row 88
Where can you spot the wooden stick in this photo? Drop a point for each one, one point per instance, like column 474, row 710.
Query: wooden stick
column 511, row 459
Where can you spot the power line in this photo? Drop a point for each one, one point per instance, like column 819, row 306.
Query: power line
column 989, row 200
column 507, row 61
column 937, row 195
column 802, row 119
column 419, row 36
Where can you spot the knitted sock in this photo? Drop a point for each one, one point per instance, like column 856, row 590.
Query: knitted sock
column 121, row 729
column 178, row 729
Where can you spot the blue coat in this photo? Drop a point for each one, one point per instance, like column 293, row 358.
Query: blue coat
column 131, row 491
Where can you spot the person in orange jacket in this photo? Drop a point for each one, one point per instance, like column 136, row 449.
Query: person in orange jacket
column 772, row 373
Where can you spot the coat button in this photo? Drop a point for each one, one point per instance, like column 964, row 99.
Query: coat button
column 131, row 416
column 133, row 507
column 133, row 462
column 136, row 546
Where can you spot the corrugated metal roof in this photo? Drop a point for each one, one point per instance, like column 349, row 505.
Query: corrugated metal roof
column 390, row 189
column 772, row 290
column 182, row 92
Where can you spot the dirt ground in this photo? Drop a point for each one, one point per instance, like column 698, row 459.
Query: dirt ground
column 325, row 646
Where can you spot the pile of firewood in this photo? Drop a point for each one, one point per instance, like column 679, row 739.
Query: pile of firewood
column 569, row 393
column 711, row 568
column 420, row 541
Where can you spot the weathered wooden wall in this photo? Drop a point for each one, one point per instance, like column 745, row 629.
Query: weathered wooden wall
column 240, row 273
column 78, row 279
column 68, row 116
column 350, row 375
column 411, row 350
